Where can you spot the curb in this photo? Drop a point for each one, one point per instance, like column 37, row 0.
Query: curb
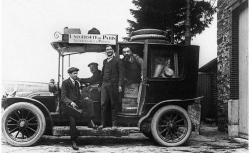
column 240, row 140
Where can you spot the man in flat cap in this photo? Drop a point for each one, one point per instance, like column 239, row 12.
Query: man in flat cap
column 70, row 94
column 95, row 78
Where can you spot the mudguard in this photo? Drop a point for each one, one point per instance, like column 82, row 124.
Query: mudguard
column 164, row 103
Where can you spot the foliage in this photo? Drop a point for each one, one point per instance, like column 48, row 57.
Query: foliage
column 163, row 14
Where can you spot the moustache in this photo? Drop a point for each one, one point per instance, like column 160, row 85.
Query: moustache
column 127, row 57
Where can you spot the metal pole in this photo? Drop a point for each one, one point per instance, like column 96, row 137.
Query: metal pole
column 117, row 47
column 62, row 67
column 58, row 83
column 187, row 34
column 69, row 60
column 59, row 58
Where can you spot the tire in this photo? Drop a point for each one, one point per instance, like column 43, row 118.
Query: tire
column 171, row 126
column 148, row 36
column 152, row 41
column 23, row 124
column 148, row 31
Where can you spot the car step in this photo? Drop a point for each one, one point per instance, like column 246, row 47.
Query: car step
column 85, row 131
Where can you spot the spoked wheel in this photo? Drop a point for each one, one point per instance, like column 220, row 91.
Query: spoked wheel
column 171, row 126
column 23, row 124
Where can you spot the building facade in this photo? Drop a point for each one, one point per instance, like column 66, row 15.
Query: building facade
column 207, row 87
column 233, row 67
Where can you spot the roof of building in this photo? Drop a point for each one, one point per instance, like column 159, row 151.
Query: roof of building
column 209, row 67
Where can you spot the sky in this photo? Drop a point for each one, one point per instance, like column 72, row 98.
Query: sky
column 28, row 27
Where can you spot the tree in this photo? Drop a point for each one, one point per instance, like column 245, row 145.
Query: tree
column 171, row 14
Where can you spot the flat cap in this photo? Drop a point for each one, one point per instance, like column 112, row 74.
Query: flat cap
column 72, row 69
column 93, row 63
column 52, row 80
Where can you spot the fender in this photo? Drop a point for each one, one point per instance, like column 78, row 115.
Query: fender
column 38, row 94
column 9, row 101
column 164, row 103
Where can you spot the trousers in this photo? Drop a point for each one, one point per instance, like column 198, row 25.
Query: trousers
column 86, row 104
column 109, row 95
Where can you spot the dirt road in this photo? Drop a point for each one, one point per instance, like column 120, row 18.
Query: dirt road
column 209, row 141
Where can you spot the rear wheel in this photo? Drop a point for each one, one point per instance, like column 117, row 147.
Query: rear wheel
column 23, row 124
column 171, row 126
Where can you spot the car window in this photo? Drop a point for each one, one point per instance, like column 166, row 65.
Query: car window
column 166, row 63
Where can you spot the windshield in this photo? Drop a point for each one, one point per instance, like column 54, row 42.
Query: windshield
column 81, row 62
column 65, row 48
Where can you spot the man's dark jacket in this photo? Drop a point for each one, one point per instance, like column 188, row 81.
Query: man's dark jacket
column 117, row 72
column 70, row 93
column 95, row 79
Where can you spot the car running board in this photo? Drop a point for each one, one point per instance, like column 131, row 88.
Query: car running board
column 85, row 131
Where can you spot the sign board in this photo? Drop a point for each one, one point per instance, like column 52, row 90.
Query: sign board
column 92, row 39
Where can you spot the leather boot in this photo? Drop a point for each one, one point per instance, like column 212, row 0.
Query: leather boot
column 114, row 127
column 74, row 146
column 101, row 126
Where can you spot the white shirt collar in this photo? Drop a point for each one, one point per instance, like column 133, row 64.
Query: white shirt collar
column 75, row 81
column 110, row 58
column 72, row 80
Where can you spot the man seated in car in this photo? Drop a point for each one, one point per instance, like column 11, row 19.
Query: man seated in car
column 95, row 78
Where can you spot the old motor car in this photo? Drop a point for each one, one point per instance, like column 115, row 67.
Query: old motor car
column 157, row 106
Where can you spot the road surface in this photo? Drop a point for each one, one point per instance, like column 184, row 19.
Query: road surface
column 209, row 141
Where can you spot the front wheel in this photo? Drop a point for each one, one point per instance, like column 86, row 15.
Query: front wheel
column 23, row 124
column 171, row 126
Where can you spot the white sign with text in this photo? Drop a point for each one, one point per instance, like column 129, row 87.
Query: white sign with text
column 92, row 39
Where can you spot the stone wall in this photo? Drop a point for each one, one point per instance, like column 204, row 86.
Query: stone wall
column 224, row 42
column 214, row 97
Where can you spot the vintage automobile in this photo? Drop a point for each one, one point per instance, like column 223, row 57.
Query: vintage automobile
column 157, row 106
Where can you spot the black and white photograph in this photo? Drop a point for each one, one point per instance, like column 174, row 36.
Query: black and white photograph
column 124, row 76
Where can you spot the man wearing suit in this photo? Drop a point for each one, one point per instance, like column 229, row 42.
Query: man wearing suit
column 71, row 97
column 111, row 84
